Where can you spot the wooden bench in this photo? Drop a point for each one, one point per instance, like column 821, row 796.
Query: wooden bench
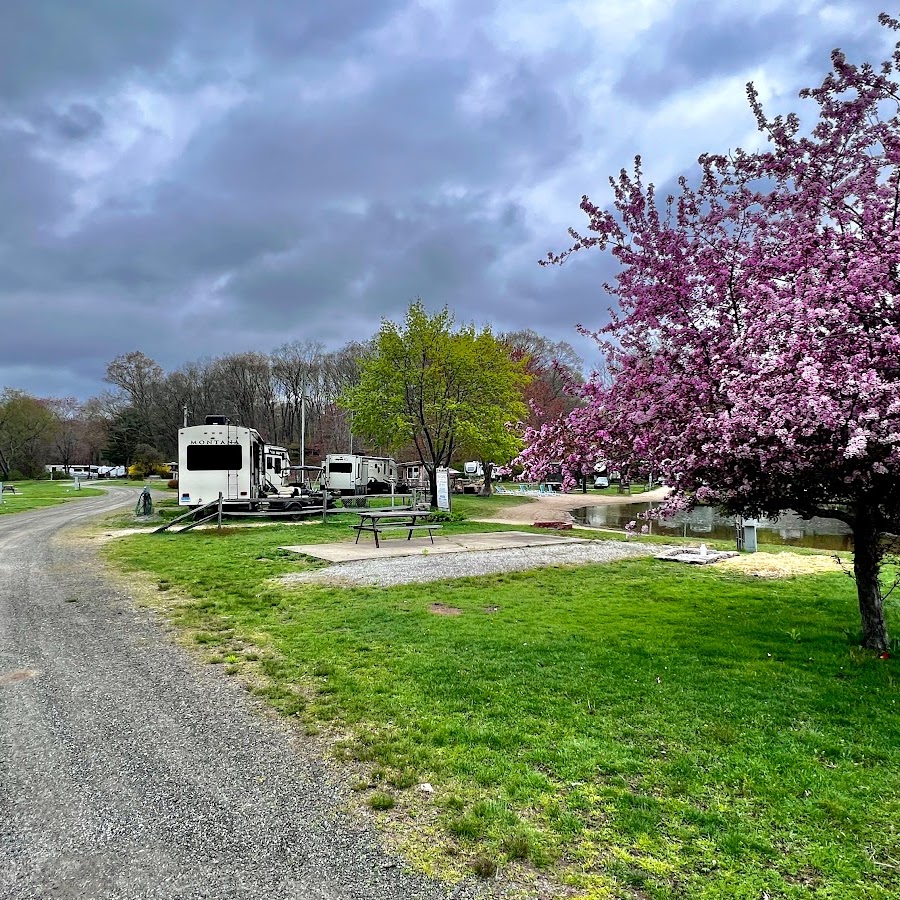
column 10, row 489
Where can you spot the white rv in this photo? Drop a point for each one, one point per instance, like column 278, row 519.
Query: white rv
column 278, row 467
column 350, row 474
column 83, row 472
column 219, row 456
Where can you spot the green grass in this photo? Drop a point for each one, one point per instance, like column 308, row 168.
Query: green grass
column 635, row 730
column 470, row 505
column 38, row 494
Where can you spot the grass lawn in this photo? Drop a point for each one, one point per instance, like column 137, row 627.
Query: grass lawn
column 38, row 494
column 637, row 729
column 470, row 505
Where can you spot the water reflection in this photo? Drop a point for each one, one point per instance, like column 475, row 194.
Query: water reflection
column 705, row 521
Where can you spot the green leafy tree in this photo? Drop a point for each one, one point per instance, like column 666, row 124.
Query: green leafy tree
column 26, row 425
column 439, row 388
column 493, row 444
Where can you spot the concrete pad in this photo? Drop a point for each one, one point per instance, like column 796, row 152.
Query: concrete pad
column 346, row 551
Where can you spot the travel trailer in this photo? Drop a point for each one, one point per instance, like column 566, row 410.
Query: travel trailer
column 84, row 472
column 278, row 467
column 250, row 474
column 346, row 473
column 218, row 456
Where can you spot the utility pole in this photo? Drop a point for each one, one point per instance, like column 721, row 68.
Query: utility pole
column 303, row 427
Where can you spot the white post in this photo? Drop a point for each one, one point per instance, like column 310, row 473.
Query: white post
column 1, row 491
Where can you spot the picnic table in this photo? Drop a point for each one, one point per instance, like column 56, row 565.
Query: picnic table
column 10, row 489
column 380, row 520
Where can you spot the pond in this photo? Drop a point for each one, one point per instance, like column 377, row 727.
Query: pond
column 706, row 523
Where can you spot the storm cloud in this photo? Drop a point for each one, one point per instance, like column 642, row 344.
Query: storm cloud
column 191, row 179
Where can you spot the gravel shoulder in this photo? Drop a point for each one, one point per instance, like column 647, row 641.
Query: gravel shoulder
column 128, row 770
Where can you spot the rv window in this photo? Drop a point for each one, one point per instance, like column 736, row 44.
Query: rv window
column 207, row 458
column 268, row 462
column 340, row 467
column 277, row 466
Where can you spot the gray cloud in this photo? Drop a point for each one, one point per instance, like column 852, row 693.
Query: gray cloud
column 198, row 178
column 698, row 42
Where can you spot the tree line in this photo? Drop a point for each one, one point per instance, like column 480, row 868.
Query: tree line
column 296, row 395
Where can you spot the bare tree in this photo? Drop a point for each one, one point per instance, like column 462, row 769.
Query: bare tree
column 297, row 369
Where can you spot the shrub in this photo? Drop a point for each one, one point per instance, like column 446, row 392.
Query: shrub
column 380, row 800
column 484, row 867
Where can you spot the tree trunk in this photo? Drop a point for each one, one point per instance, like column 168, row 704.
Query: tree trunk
column 867, row 568
column 432, row 485
column 487, row 484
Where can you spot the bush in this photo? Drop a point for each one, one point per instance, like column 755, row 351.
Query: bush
column 141, row 470
column 443, row 515
column 172, row 484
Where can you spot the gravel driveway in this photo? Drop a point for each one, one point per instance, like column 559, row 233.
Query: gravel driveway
column 127, row 770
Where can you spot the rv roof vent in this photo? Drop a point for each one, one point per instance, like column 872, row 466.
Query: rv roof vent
column 217, row 420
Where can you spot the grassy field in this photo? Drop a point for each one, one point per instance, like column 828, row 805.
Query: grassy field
column 38, row 494
column 630, row 730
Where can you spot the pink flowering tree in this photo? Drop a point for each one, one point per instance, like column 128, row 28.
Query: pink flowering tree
column 754, row 358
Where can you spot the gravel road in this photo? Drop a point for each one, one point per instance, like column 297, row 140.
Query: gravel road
column 127, row 770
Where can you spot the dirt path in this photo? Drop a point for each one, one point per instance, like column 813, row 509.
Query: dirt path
column 127, row 770
column 556, row 507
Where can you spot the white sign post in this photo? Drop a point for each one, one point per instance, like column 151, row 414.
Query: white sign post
column 443, row 488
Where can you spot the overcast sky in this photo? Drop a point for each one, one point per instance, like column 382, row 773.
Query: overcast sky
column 196, row 177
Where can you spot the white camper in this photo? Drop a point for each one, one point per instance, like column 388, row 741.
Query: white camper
column 350, row 474
column 219, row 456
column 278, row 467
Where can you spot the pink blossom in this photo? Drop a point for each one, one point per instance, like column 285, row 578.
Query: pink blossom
column 753, row 359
